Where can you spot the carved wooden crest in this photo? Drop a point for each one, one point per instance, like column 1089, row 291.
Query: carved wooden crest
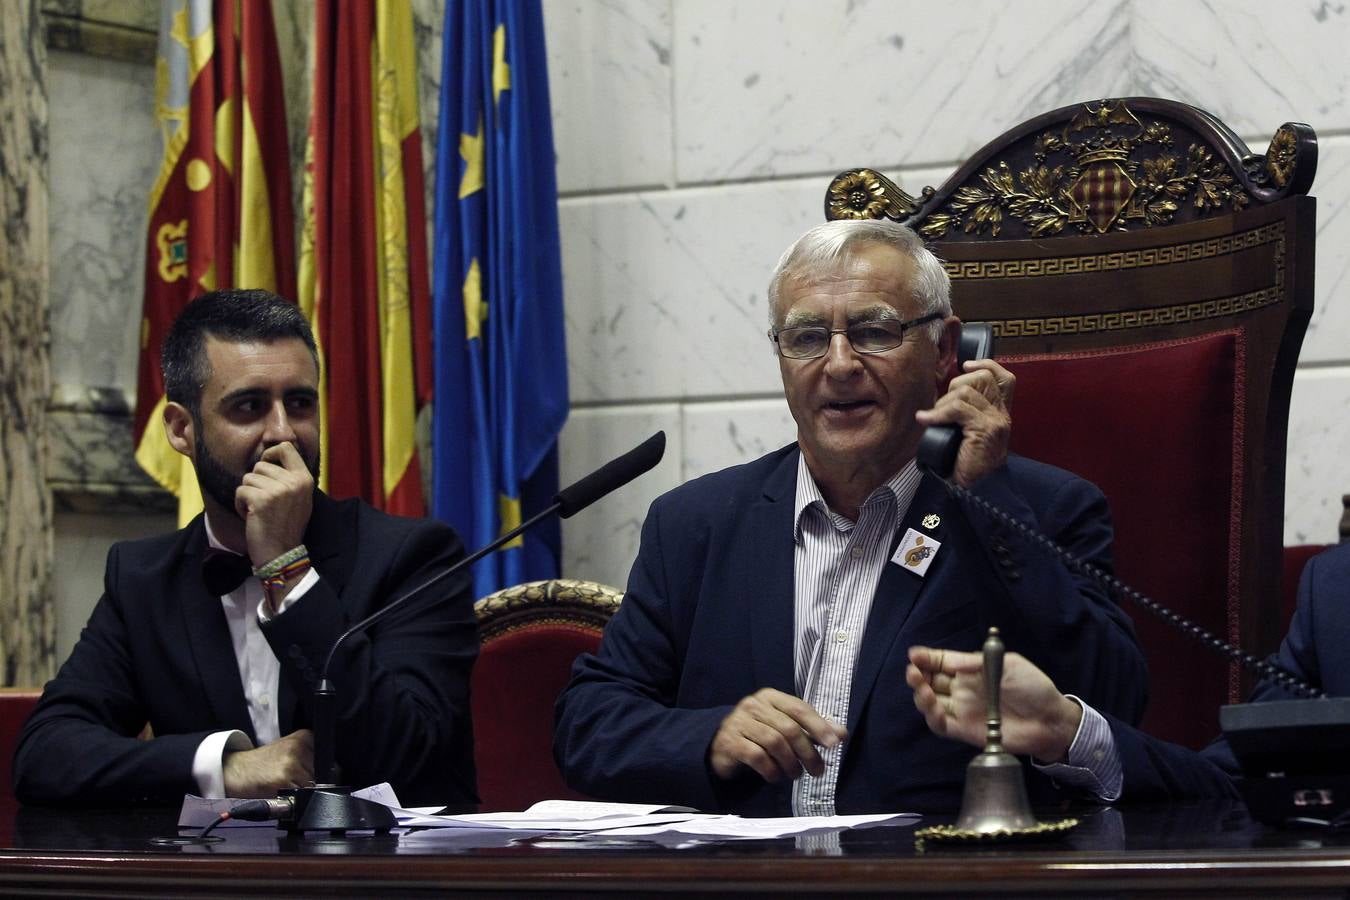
column 1094, row 168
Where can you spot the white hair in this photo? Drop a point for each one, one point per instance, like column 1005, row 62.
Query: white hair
column 824, row 245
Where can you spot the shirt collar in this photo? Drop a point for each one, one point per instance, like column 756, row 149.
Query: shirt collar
column 211, row 539
column 902, row 485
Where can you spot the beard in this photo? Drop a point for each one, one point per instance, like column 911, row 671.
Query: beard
column 219, row 483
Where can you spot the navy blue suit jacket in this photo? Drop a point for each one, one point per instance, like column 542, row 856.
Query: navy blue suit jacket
column 708, row 619
column 157, row 650
column 1314, row 650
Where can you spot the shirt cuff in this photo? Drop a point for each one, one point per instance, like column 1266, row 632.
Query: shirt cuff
column 208, row 764
column 311, row 578
column 1093, row 763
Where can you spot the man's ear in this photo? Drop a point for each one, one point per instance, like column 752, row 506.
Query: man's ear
column 180, row 429
column 947, row 366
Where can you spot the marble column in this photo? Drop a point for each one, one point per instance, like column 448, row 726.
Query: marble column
column 27, row 622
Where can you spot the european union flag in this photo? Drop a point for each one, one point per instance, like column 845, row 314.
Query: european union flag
column 501, row 371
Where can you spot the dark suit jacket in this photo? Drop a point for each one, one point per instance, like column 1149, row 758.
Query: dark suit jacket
column 157, row 649
column 1314, row 650
column 708, row 619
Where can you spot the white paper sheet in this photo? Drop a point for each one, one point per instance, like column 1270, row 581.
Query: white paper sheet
column 725, row 827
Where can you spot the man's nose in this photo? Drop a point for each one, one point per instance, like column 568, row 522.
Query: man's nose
column 279, row 428
column 841, row 360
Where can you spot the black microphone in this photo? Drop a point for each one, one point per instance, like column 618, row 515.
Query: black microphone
column 336, row 810
column 611, row 476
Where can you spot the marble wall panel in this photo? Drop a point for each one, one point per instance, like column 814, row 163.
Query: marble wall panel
column 1317, row 472
column 294, row 24
column 717, row 435
column 665, row 292
column 777, row 89
column 1330, row 325
column 26, row 610
column 609, row 68
column 90, row 453
column 82, row 542
column 1252, row 64
column 428, row 22
column 105, row 150
column 600, row 542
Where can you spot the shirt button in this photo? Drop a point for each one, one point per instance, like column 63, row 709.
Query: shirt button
column 841, row 635
column 265, row 700
column 857, row 552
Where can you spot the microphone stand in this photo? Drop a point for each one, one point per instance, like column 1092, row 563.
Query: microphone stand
column 328, row 806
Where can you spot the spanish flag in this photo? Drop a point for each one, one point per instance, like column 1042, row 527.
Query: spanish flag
column 363, row 256
column 220, row 210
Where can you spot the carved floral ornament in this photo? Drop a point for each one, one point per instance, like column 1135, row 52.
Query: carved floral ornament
column 1084, row 175
column 867, row 194
column 1281, row 156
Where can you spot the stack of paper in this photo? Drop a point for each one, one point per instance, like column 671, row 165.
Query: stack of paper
column 626, row 821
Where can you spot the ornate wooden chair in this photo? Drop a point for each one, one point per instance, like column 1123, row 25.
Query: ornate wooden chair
column 1149, row 281
column 530, row 634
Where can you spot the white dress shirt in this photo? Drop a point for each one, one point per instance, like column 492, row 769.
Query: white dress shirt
column 259, row 673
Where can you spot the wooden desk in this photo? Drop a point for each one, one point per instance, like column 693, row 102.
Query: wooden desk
column 1187, row 850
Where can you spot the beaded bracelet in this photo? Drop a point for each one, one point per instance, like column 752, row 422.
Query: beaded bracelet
column 267, row 570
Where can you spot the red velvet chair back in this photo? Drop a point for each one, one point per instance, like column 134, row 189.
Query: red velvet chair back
column 1149, row 281
column 530, row 635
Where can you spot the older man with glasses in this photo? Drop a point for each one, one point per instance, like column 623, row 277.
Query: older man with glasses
column 758, row 662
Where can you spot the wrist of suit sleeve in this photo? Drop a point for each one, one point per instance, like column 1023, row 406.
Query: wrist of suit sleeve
column 208, row 764
column 1093, row 763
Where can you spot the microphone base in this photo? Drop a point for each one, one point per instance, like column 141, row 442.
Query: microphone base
column 332, row 808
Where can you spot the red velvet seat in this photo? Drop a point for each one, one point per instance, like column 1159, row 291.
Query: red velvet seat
column 15, row 706
column 530, row 635
column 1149, row 280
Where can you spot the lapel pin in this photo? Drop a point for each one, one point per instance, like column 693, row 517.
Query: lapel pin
column 916, row 552
column 931, row 521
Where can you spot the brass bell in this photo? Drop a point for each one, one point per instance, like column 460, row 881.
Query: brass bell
column 995, row 798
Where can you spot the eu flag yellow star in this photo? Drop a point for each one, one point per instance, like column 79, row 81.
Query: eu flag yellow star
column 471, row 150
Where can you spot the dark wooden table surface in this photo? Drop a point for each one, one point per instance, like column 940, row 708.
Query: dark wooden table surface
column 1159, row 851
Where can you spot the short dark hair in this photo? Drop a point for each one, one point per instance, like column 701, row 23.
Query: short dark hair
column 236, row 315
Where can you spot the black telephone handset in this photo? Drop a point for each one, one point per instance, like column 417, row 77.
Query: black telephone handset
column 940, row 443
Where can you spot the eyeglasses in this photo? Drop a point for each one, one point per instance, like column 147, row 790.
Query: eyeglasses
column 811, row 341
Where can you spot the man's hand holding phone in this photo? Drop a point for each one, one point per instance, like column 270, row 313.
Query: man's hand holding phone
column 979, row 402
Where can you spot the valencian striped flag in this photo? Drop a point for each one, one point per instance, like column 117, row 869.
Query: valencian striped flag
column 220, row 210
column 363, row 260
column 501, row 373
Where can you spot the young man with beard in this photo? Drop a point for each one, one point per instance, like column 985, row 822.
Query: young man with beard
column 214, row 635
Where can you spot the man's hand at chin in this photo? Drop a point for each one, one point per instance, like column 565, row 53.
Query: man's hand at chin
column 275, row 500
column 287, row 762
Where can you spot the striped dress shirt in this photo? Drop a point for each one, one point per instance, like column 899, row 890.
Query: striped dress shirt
column 837, row 565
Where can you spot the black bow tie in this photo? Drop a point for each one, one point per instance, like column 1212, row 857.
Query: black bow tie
column 224, row 571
